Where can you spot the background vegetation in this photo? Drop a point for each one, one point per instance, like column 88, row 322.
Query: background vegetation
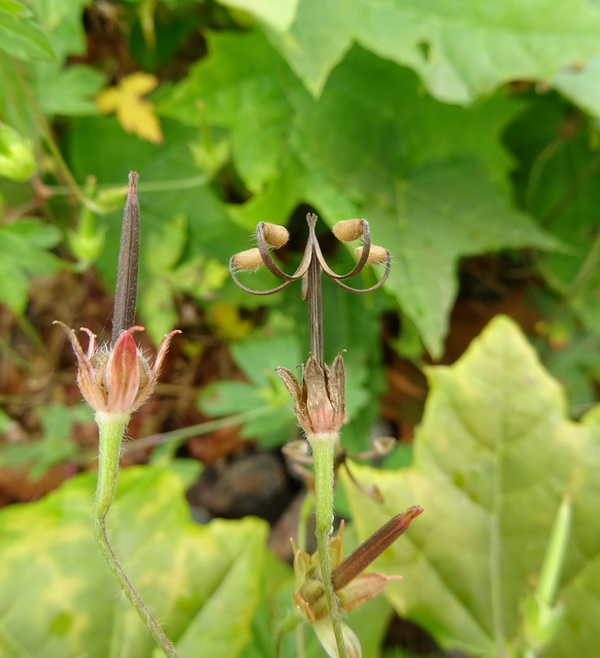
column 467, row 134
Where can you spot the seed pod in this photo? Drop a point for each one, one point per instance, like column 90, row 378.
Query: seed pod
column 248, row 260
column 276, row 236
column 377, row 255
column 348, row 230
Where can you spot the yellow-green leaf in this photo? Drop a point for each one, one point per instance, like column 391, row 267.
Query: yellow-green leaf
column 135, row 114
column 494, row 457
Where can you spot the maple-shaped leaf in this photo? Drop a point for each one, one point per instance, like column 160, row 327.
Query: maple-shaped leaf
column 494, row 459
column 134, row 113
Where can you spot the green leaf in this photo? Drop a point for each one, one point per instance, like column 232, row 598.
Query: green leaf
column 157, row 308
column 55, row 446
column 24, row 254
column 259, row 355
column 205, row 583
column 494, row 457
column 460, row 51
column 67, row 91
column 279, row 15
column 441, row 215
column 165, row 249
column 11, row 6
column 21, row 36
column 165, row 277
column 580, row 85
column 559, row 183
column 263, row 403
column 63, row 21
column 242, row 76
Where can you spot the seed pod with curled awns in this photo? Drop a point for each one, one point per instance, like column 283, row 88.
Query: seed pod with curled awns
column 247, row 260
column 275, row 235
column 348, row 230
column 377, row 255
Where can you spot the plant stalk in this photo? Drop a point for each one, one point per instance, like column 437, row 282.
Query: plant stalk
column 112, row 428
column 323, row 450
column 315, row 311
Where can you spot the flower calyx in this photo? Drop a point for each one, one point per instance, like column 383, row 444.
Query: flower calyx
column 319, row 396
column 117, row 379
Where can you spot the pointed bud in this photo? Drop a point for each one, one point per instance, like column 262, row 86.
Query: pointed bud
column 373, row 547
column 127, row 271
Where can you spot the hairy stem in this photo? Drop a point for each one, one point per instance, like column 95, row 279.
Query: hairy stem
column 323, row 450
column 112, row 427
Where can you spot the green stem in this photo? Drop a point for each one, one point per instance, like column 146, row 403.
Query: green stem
column 195, row 430
column 289, row 623
column 112, row 427
column 323, row 450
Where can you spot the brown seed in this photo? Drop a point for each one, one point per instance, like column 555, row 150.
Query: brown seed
column 275, row 235
column 377, row 255
column 248, row 260
column 348, row 230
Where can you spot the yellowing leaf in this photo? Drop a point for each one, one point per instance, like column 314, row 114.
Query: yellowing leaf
column 134, row 113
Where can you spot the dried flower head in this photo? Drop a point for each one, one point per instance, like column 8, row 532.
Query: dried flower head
column 319, row 396
column 117, row 379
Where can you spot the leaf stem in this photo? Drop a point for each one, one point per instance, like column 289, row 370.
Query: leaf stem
column 112, row 428
column 323, row 450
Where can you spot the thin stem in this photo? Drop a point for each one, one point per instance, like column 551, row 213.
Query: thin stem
column 112, row 428
column 196, row 430
column 155, row 186
column 314, row 296
column 323, row 449
column 588, row 267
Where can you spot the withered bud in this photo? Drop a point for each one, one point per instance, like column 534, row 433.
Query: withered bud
column 372, row 547
column 348, row 230
column 377, row 255
column 276, row 236
column 248, row 260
